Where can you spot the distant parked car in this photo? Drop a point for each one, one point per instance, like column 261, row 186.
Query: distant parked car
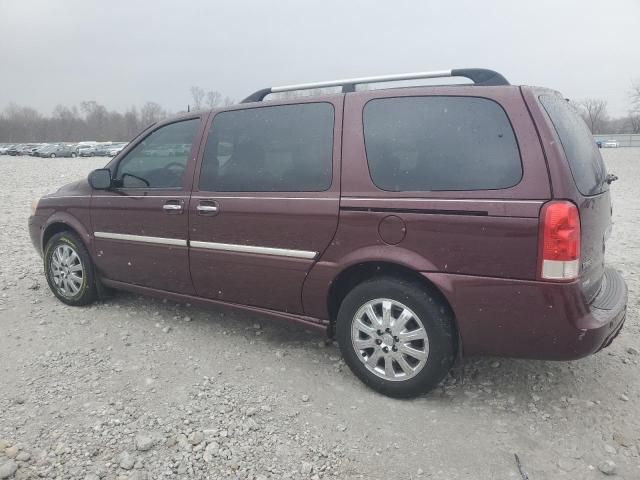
column 13, row 150
column 85, row 144
column 87, row 150
column 5, row 149
column 115, row 149
column 26, row 149
column 33, row 151
column 103, row 149
column 53, row 151
column 610, row 144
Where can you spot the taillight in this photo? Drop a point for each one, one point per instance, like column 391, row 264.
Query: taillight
column 559, row 241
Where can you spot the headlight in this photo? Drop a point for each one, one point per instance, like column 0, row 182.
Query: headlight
column 34, row 206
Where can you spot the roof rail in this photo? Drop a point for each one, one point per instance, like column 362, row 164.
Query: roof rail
column 479, row 76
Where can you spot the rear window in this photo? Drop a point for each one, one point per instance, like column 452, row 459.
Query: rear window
column 440, row 143
column 585, row 161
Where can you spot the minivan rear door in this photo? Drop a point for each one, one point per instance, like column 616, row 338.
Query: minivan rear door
column 265, row 201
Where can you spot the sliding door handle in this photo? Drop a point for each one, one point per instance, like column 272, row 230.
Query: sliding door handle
column 207, row 208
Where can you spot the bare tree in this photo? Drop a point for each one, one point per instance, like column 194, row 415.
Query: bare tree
column 197, row 93
column 633, row 123
column 213, row 98
column 131, row 123
column 633, row 120
column 634, row 95
column 89, row 121
column 594, row 112
column 150, row 113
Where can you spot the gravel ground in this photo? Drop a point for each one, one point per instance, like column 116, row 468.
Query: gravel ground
column 136, row 388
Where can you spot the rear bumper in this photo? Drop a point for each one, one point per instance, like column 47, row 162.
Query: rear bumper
column 531, row 319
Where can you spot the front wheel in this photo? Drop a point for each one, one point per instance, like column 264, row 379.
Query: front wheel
column 53, row 155
column 73, row 154
column 69, row 269
column 396, row 337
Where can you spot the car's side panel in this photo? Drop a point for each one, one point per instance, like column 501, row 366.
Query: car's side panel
column 76, row 217
column 457, row 244
column 136, row 240
column 493, row 233
column 226, row 266
column 68, row 206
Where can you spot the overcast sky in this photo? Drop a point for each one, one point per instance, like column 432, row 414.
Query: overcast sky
column 124, row 53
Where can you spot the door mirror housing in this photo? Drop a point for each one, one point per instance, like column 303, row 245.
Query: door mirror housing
column 100, row 179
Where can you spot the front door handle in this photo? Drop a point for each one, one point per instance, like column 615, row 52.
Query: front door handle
column 173, row 206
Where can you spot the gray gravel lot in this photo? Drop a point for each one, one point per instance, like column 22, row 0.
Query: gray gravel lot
column 137, row 388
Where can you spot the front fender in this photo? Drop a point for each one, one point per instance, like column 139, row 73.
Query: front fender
column 80, row 227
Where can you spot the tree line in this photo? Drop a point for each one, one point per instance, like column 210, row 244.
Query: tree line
column 594, row 112
column 92, row 121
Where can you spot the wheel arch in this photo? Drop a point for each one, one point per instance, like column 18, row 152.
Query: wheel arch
column 65, row 223
column 52, row 229
column 355, row 274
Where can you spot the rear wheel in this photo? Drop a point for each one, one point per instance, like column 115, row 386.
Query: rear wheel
column 69, row 270
column 396, row 337
column 53, row 155
column 73, row 154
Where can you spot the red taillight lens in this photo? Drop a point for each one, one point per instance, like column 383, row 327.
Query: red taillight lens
column 559, row 241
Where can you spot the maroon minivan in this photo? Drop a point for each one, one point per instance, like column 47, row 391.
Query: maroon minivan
column 413, row 224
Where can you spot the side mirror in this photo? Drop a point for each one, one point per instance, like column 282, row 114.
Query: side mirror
column 100, row 179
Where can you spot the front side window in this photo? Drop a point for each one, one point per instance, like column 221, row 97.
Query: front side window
column 440, row 143
column 160, row 160
column 285, row 148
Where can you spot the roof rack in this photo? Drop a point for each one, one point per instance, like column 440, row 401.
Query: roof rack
column 479, row 76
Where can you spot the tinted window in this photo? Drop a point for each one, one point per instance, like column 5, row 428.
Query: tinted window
column 285, row 148
column 159, row 161
column 440, row 143
column 579, row 146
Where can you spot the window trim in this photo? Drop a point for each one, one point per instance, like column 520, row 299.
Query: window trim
column 422, row 192
column 154, row 127
column 234, row 108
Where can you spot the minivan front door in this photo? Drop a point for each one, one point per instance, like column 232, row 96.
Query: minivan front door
column 140, row 225
column 265, row 202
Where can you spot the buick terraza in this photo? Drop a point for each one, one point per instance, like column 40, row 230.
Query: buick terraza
column 414, row 225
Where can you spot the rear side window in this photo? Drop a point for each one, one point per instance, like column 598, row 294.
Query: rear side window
column 440, row 143
column 286, row 148
column 585, row 161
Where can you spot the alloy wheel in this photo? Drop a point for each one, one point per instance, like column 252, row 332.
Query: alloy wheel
column 390, row 339
column 67, row 271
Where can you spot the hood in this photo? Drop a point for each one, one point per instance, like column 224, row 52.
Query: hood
column 79, row 187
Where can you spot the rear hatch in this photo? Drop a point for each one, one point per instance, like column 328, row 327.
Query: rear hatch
column 591, row 194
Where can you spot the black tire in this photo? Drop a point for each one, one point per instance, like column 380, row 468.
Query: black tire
column 53, row 155
column 86, row 289
column 435, row 317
